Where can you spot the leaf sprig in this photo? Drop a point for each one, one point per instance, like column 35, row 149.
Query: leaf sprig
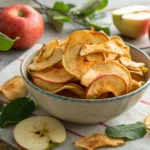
column 88, row 14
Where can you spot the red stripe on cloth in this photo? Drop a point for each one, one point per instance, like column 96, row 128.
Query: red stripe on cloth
column 19, row 59
column 144, row 102
column 75, row 133
column 103, row 124
column 4, row 102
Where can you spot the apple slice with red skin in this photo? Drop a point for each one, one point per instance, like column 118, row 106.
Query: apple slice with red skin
column 39, row 133
column 132, row 21
column 45, row 85
column 106, row 83
column 53, row 75
column 111, row 67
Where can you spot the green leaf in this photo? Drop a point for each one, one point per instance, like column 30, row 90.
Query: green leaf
column 1, row 106
column 61, row 6
column 5, row 42
column 98, row 25
column 102, row 5
column 90, row 6
column 17, row 110
column 131, row 131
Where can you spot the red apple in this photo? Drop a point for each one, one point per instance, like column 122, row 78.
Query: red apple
column 22, row 21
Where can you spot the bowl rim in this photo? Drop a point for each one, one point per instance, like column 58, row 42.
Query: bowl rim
column 59, row 97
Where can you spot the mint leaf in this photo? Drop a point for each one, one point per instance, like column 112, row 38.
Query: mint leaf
column 1, row 106
column 5, row 42
column 90, row 6
column 62, row 18
column 131, row 131
column 17, row 110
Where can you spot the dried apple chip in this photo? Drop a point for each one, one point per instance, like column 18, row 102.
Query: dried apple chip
column 14, row 88
column 56, row 74
column 147, row 122
column 106, row 83
column 75, row 64
column 130, row 64
column 47, row 50
column 97, row 58
column 114, row 46
column 109, row 56
column 106, row 68
column 86, row 36
column 98, row 140
column 49, row 62
column 136, row 85
column 46, row 85
column 74, row 88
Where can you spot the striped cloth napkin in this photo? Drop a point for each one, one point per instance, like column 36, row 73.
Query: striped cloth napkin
column 75, row 131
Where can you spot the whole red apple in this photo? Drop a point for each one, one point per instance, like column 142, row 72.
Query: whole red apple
column 22, row 21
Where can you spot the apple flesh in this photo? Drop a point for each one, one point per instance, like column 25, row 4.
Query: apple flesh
column 39, row 133
column 22, row 21
column 132, row 21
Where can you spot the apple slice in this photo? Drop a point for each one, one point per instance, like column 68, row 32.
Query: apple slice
column 106, row 83
column 56, row 74
column 132, row 21
column 14, row 88
column 49, row 62
column 74, row 88
column 39, row 133
column 86, row 36
column 47, row 50
column 46, row 85
column 75, row 64
column 106, row 68
column 111, row 46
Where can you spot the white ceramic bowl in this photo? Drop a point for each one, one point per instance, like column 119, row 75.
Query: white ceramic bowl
column 81, row 110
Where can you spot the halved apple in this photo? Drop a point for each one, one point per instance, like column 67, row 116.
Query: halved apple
column 106, row 83
column 111, row 46
column 106, row 68
column 132, row 21
column 56, row 74
column 39, row 133
column 46, row 85
column 75, row 64
column 49, row 62
column 86, row 36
